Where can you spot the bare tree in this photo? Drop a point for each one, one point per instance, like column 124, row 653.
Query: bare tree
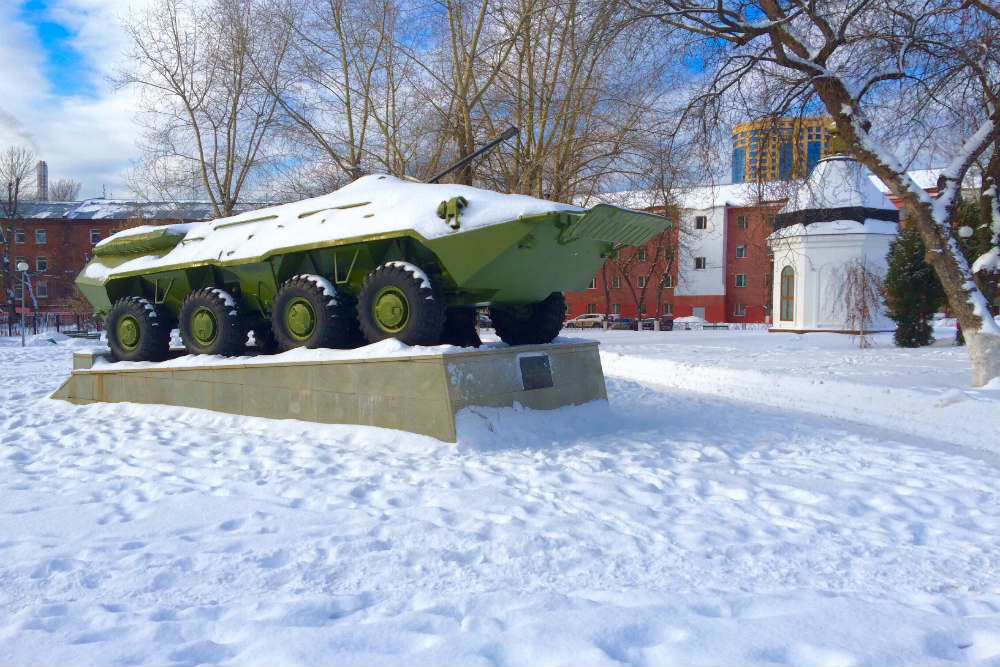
column 930, row 68
column 65, row 189
column 381, row 85
column 861, row 293
column 16, row 163
column 474, row 45
column 346, row 103
column 643, row 271
column 205, row 69
column 582, row 85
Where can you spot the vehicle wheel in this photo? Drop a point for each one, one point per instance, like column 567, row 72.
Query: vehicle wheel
column 263, row 338
column 210, row 323
column 138, row 330
column 530, row 324
column 397, row 301
column 309, row 311
column 460, row 327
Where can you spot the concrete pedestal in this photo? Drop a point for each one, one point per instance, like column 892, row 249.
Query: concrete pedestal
column 418, row 393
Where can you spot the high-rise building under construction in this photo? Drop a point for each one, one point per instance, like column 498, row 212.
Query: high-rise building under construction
column 778, row 148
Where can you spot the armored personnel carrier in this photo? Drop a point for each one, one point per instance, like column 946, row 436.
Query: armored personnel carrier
column 382, row 257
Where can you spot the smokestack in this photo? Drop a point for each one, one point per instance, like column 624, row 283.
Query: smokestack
column 42, row 181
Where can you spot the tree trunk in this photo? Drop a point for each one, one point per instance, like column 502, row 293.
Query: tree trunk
column 984, row 355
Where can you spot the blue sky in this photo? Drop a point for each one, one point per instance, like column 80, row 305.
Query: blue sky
column 66, row 68
column 55, row 97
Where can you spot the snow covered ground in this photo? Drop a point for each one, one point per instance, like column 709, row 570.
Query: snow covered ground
column 743, row 498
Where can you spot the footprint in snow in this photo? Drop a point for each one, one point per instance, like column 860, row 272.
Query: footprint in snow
column 48, row 568
column 231, row 525
column 203, row 652
column 53, row 610
column 275, row 560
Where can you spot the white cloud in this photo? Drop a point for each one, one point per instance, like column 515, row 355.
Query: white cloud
column 91, row 138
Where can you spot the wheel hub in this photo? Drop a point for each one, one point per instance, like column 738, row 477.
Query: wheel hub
column 203, row 326
column 128, row 332
column 300, row 319
column 391, row 309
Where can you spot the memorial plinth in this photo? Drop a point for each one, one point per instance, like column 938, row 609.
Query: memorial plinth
column 420, row 393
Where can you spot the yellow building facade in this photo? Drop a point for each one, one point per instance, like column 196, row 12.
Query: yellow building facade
column 774, row 149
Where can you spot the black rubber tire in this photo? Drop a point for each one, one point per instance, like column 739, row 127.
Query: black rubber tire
column 460, row 327
column 336, row 322
column 263, row 338
column 229, row 337
column 532, row 324
column 424, row 322
column 153, row 329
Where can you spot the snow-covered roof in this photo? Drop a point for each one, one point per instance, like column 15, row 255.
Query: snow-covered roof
column 928, row 179
column 120, row 209
column 838, row 181
column 375, row 204
column 699, row 197
column 747, row 194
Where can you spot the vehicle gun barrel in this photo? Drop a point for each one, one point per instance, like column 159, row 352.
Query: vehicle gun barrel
column 504, row 136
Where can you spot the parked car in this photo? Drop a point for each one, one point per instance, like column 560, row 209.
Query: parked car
column 485, row 322
column 587, row 321
column 626, row 323
column 666, row 323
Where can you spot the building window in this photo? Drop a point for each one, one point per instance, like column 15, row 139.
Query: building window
column 19, row 259
column 668, row 280
column 591, row 308
column 41, row 289
column 41, row 264
column 18, row 236
column 740, row 310
column 787, row 293
column 18, row 290
column 741, row 251
column 641, row 282
column 700, row 263
column 771, row 218
column 668, row 309
column 741, row 221
column 741, row 280
column 641, row 254
column 40, row 237
column 95, row 236
column 616, row 309
column 700, row 222
column 616, row 282
column 593, row 283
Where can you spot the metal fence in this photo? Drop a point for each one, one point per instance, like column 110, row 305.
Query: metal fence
column 50, row 322
column 725, row 326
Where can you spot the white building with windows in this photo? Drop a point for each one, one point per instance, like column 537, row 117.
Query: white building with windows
column 702, row 247
column 837, row 218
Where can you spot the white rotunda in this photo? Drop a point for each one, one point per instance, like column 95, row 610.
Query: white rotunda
column 835, row 220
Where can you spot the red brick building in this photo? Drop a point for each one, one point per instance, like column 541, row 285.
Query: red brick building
column 714, row 263
column 719, row 266
column 56, row 239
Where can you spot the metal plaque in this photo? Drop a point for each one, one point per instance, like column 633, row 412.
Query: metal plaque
column 536, row 373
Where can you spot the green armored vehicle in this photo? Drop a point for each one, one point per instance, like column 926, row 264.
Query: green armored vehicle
column 382, row 257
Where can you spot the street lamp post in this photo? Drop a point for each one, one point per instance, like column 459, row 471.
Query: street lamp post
column 23, row 268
